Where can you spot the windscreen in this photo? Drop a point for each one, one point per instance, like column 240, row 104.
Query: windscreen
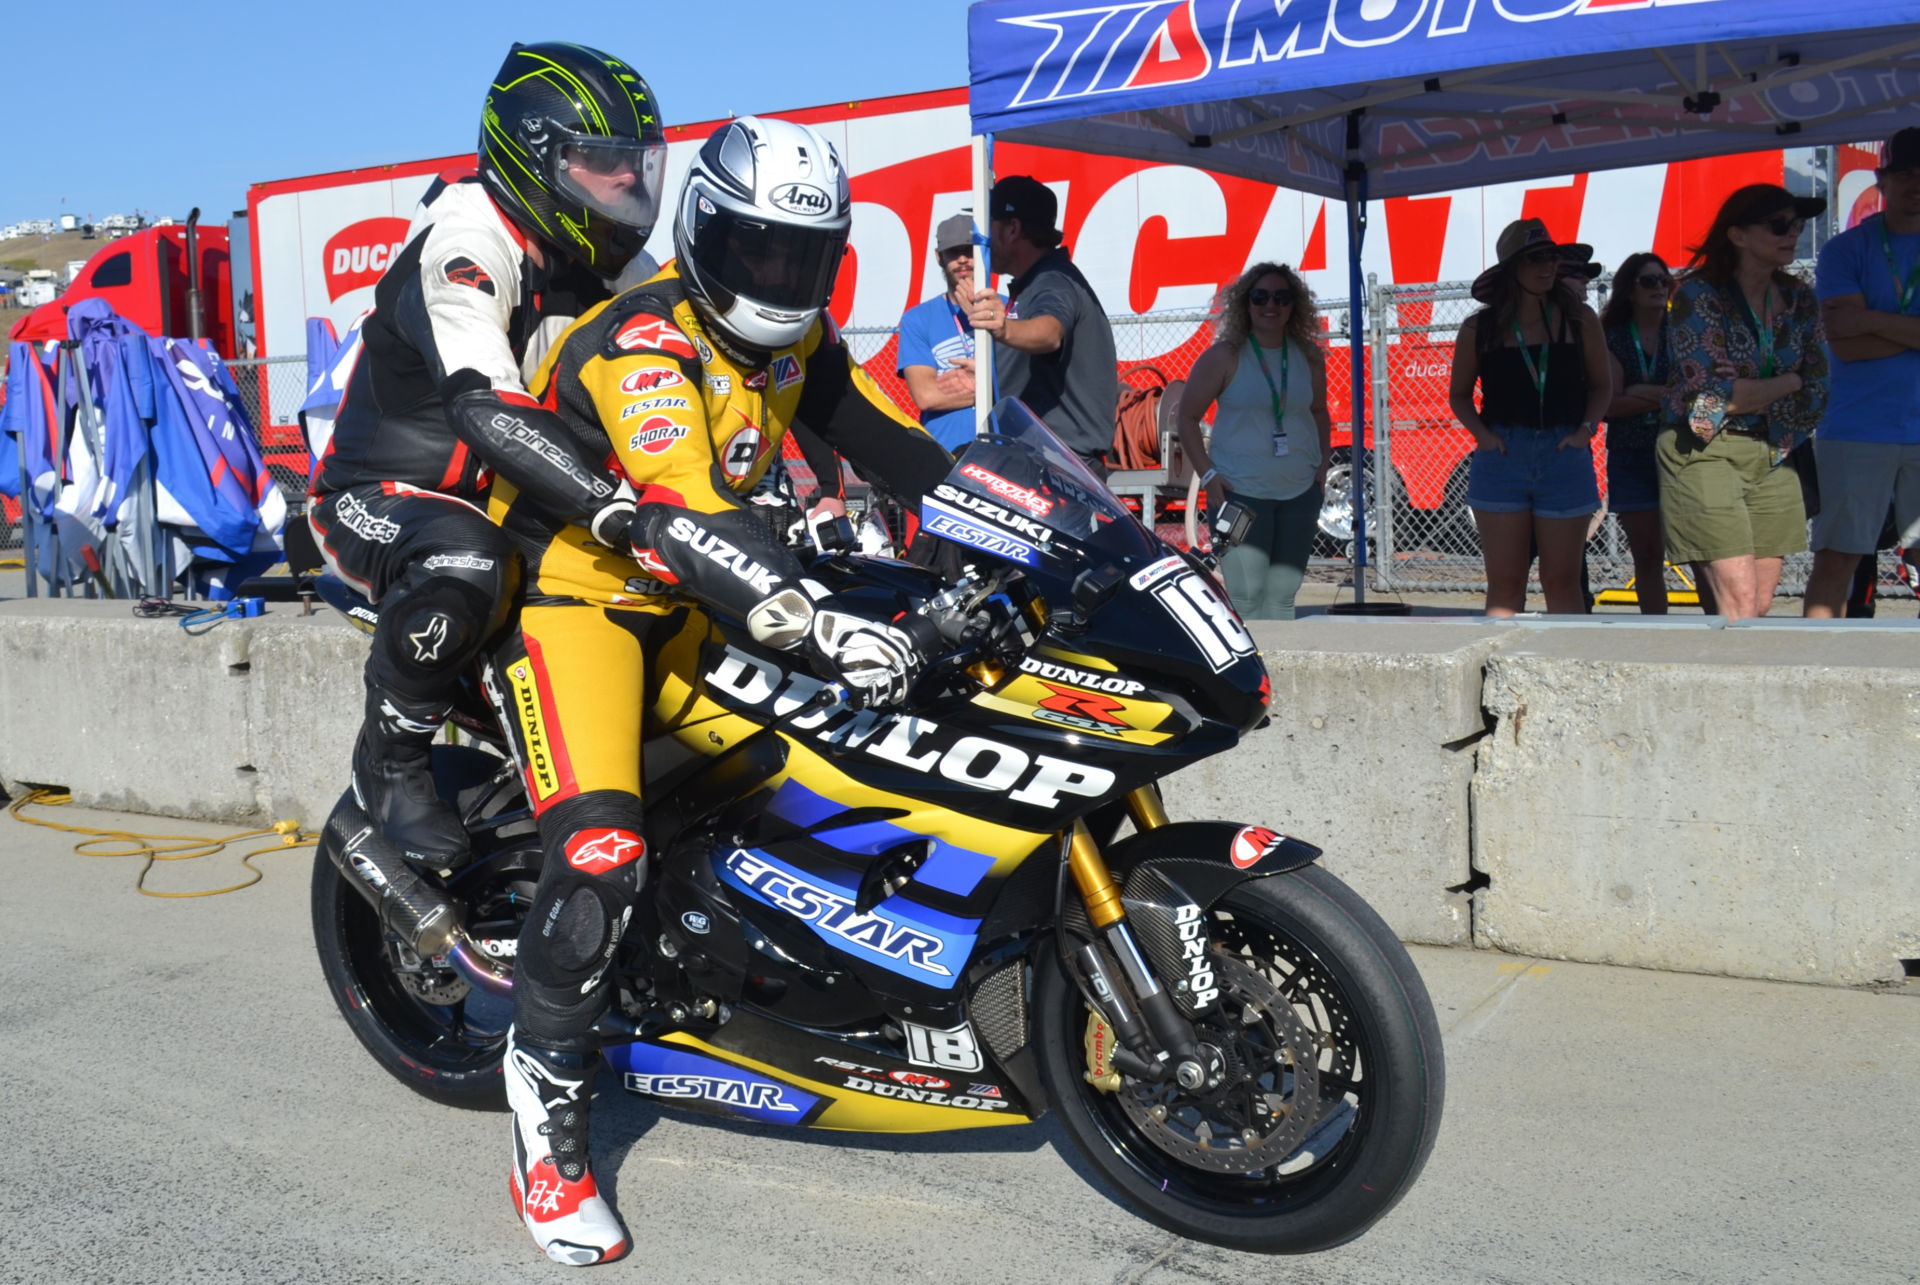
column 1020, row 494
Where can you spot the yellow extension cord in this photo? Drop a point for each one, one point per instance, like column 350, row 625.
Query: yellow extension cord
column 183, row 847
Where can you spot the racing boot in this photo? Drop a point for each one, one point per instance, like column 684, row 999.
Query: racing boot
column 552, row 1184
column 393, row 780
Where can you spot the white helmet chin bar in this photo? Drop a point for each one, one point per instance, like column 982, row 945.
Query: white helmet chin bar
column 761, row 230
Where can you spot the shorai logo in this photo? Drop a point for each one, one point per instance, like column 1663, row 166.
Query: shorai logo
column 357, row 254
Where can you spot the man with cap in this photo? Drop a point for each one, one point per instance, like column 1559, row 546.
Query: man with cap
column 1054, row 348
column 936, row 341
column 1867, row 447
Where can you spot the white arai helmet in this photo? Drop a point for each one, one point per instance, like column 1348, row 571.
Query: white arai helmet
column 761, row 230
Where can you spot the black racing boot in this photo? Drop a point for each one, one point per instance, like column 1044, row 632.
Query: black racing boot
column 393, row 780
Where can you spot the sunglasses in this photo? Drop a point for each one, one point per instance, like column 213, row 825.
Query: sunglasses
column 1282, row 297
column 1655, row 281
column 1534, row 258
column 1781, row 224
column 957, row 252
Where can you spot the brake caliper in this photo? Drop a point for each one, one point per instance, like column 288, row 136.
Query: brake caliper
column 1099, row 1042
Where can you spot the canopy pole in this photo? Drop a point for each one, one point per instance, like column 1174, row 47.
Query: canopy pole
column 1357, row 453
column 982, row 279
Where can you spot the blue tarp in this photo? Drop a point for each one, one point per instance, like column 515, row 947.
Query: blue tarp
column 28, row 422
column 209, row 463
column 1452, row 93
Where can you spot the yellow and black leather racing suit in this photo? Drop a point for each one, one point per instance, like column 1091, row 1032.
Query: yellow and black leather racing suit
column 601, row 639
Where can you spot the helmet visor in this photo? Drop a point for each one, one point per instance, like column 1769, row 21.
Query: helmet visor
column 780, row 265
column 618, row 177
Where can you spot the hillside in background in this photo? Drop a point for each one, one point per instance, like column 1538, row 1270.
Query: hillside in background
column 28, row 252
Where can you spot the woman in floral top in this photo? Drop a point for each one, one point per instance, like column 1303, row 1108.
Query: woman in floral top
column 1748, row 382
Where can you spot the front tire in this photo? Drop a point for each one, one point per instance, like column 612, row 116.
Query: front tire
column 1378, row 1091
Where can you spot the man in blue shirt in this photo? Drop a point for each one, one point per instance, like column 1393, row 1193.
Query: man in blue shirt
column 936, row 341
column 1868, row 446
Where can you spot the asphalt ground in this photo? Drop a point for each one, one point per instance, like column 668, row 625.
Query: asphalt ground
column 183, row 1103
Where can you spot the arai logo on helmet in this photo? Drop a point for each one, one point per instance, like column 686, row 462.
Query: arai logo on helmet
column 800, row 198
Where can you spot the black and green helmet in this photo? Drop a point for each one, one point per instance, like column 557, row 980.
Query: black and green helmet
column 572, row 147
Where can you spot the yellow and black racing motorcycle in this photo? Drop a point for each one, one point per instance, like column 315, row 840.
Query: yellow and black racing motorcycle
column 922, row 917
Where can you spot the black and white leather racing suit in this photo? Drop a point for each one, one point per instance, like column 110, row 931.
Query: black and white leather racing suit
column 436, row 404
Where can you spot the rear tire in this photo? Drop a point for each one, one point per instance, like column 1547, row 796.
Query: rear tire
column 431, row 1031
column 1381, row 1083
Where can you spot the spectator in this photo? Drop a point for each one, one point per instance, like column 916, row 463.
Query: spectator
column 936, row 343
column 1538, row 356
column 1749, row 380
column 1635, row 324
column 1054, row 346
column 1868, row 446
column 1270, row 434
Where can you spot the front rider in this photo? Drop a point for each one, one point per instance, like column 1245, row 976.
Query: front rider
column 572, row 158
column 691, row 381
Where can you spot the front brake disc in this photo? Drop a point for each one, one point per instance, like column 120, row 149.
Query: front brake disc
column 1269, row 1101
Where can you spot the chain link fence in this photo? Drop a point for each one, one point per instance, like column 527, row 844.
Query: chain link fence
column 1421, row 531
column 1427, row 539
column 271, row 390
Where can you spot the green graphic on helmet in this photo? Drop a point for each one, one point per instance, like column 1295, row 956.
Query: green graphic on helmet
column 572, row 149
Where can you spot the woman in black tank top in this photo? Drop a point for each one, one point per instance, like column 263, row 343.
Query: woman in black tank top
column 1540, row 362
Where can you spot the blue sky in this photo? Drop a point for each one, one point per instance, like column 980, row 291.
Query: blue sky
column 166, row 113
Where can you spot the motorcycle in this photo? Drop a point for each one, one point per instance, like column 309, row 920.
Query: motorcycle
column 924, row 917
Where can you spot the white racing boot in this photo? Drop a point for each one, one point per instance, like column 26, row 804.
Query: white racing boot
column 552, row 1183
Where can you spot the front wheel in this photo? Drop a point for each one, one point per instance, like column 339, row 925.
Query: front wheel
column 1334, row 1086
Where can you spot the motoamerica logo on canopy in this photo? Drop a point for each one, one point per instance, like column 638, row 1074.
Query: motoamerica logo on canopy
column 1109, row 48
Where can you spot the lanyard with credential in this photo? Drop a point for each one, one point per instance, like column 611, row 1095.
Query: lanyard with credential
column 1538, row 371
column 1278, row 394
column 1762, row 334
column 1646, row 367
column 1904, row 292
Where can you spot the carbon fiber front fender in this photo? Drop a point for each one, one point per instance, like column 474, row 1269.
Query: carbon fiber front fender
column 1206, row 858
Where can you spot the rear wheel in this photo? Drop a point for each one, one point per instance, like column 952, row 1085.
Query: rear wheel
column 421, row 1020
column 1334, row 1088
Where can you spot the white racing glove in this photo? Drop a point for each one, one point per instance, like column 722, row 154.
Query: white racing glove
column 877, row 661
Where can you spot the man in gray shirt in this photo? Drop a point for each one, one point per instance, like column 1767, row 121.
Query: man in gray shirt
column 1053, row 348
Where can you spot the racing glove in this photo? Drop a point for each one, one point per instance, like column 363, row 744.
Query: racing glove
column 876, row 661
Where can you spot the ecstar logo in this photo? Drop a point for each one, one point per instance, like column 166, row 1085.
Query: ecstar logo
column 598, row 851
column 356, row 255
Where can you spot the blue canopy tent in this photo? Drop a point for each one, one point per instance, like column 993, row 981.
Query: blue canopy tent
column 1367, row 99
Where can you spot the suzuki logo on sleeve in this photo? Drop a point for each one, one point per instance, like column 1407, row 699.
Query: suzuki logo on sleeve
column 355, row 256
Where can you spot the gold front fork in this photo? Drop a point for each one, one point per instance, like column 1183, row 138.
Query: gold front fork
column 1144, row 806
column 1094, row 880
column 1090, row 872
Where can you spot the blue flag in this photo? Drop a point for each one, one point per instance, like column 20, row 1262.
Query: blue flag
column 209, row 467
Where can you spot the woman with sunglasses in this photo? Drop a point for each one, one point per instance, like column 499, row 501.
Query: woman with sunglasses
column 1635, row 324
column 1538, row 357
column 1270, row 434
column 1748, row 382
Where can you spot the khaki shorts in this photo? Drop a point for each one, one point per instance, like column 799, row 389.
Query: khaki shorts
column 1727, row 499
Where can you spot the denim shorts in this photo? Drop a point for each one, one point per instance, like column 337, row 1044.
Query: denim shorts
column 1534, row 475
column 1633, row 479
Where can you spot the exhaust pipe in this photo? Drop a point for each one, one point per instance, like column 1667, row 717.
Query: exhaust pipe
column 418, row 914
column 196, row 330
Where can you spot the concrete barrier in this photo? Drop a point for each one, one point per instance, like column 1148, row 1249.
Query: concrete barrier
column 1737, row 801
column 251, row 721
column 1369, row 756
